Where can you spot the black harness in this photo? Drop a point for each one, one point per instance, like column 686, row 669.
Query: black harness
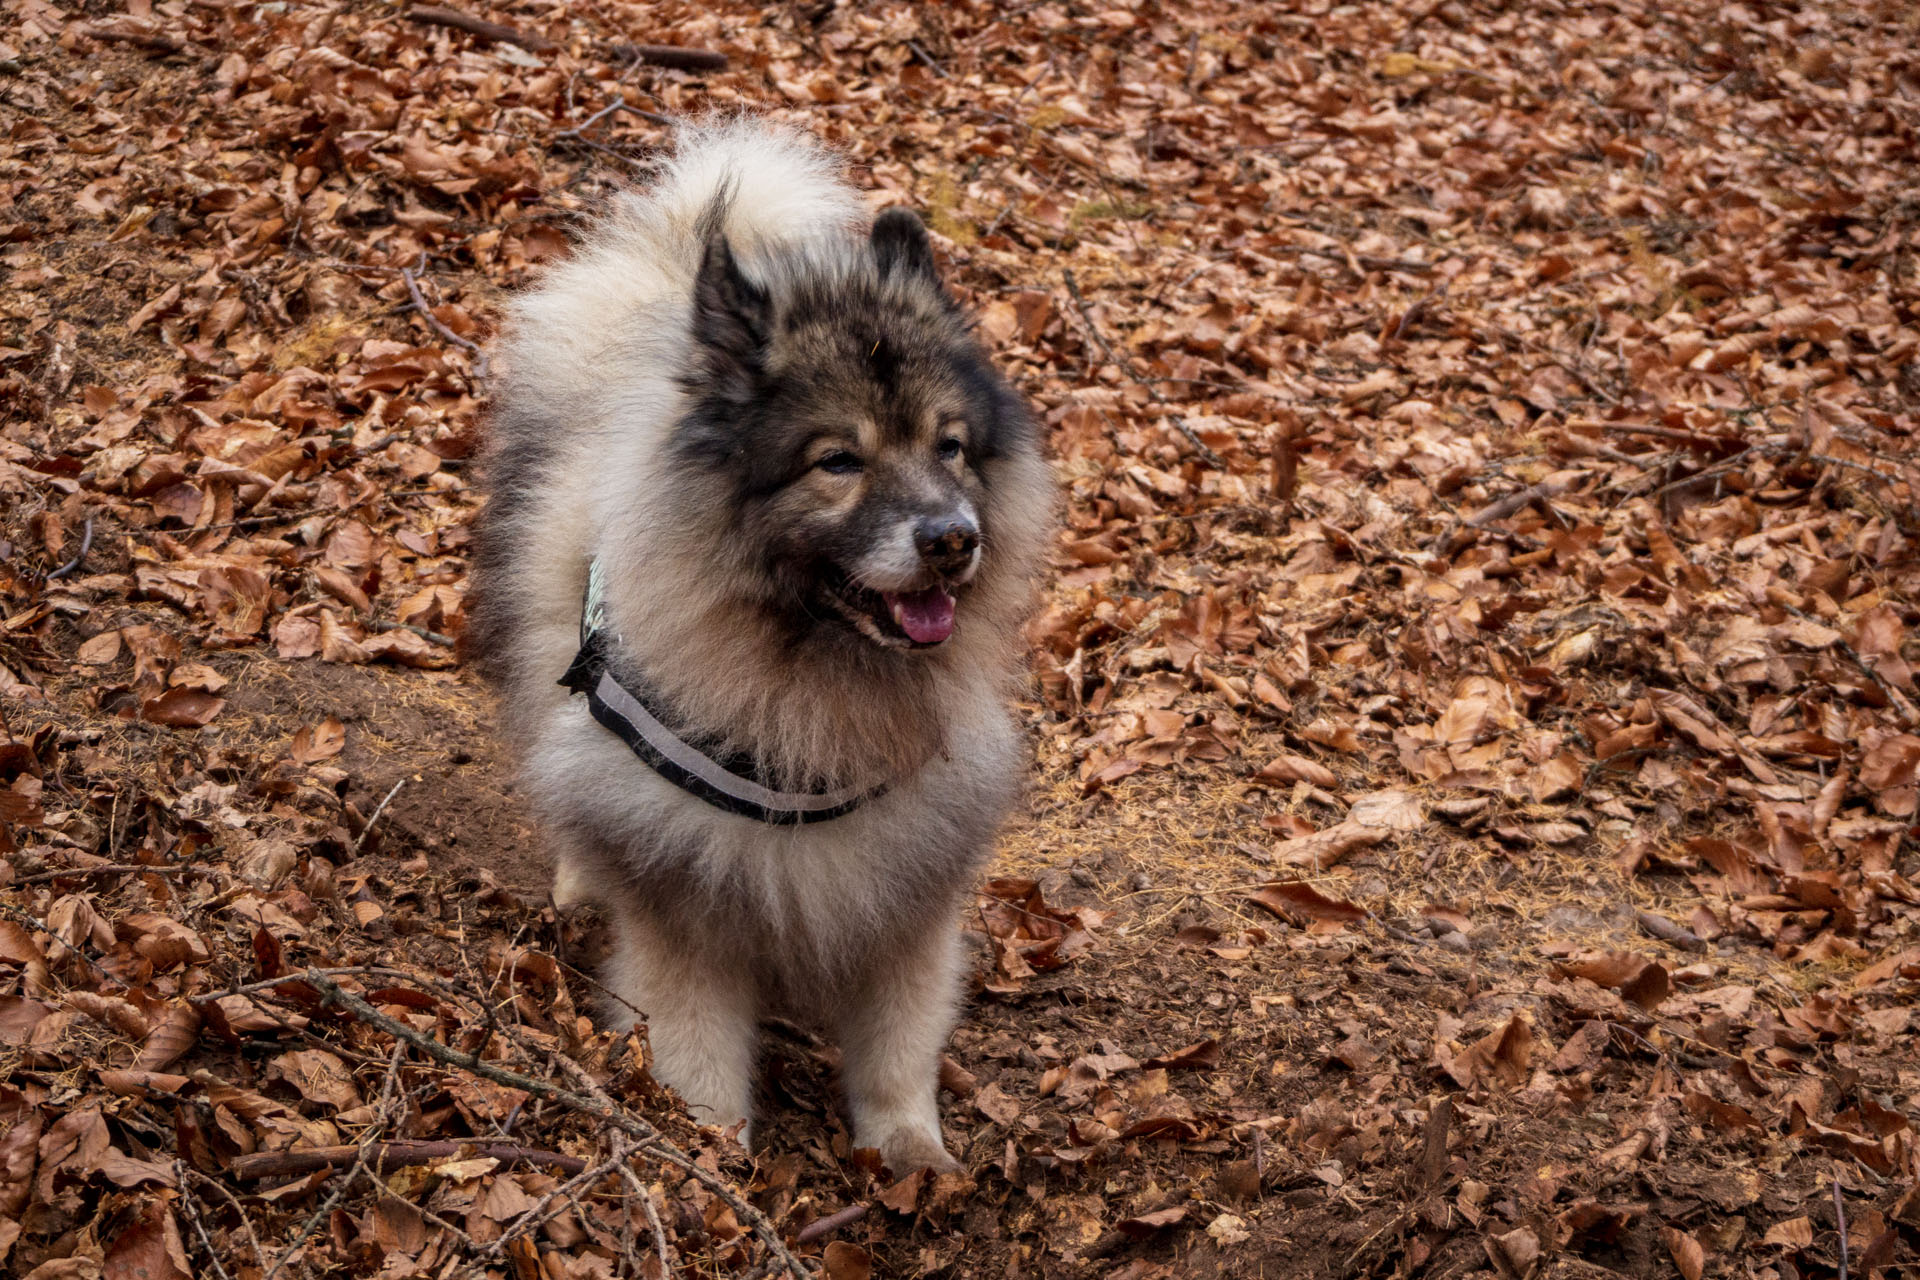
column 634, row 714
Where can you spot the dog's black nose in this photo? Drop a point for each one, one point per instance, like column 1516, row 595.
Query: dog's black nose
column 946, row 543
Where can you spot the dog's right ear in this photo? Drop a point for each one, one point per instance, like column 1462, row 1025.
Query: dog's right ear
column 901, row 247
column 732, row 316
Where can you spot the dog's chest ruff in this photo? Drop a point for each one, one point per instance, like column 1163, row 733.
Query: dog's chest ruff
column 634, row 714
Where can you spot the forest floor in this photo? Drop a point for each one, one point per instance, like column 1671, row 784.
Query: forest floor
column 1473, row 828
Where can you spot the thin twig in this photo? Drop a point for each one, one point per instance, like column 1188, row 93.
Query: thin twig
column 248, row 522
column 346, row 1184
column 192, row 1209
column 653, row 1215
column 86, row 545
column 441, row 16
column 395, row 1154
column 1153, row 392
column 832, row 1222
column 650, row 1140
column 1840, row 1220
column 932, row 64
column 117, row 868
column 537, row 1216
column 381, row 808
column 618, row 104
column 1893, row 696
column 480, row 361
column 422, row 632
column 233, row 1201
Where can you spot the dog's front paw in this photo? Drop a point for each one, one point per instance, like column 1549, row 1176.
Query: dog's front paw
column 906, row 1150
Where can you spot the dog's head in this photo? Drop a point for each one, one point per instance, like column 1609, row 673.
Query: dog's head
column 853, row 431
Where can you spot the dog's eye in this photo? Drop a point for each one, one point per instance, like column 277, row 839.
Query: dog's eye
column 949, row 449
column 839, row 462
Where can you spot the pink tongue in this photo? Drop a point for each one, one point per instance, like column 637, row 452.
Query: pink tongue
column 926, row 616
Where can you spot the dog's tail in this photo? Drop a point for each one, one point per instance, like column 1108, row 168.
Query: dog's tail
column 768, row 183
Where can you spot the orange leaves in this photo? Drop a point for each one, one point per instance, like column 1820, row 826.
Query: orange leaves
column 1303, row 904
column 1561, row 518
column 318, row 741
column 1502, row 1058
column 1644, row 982
column 172, row 1037
column 1027, row 935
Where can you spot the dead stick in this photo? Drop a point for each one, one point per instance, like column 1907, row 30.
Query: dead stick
column 1667, row 931
column 653, row 1215
column 480, row 363
column 672, row 56
column 441, row 16
column 192, row 1210
column 1667, row 433
column 651, row 1141
column 367, row 830
column 111, row 869
column 379, row 625
column 618, row 104
column 158, row 41
column 832, row 1222
column 86, row 545
column 396, row 1154
column 1840, row 1221
column 1086, row 316
column 1513, row 502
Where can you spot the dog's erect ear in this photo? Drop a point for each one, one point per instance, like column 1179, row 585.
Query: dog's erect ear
column 901, row 247
column 732, row 316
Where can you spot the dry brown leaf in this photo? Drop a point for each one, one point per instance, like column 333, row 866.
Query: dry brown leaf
column 172, row 1037
column 320, row 741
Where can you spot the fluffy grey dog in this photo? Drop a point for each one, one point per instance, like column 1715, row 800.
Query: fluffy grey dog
column 758, row 495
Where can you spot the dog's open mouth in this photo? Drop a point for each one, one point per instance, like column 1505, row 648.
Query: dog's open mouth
column 900, row 619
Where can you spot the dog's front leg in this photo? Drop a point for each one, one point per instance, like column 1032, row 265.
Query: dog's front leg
column 702, row 1018
column 891, row 1034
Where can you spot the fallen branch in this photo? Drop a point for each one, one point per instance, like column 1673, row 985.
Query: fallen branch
column 441, row 16
column 158, row 41
column 651, row 1141
column 832, row 1222
column 381, row 808
column 1545, row 491
column 435, row 636
column 653, row 1216
column 672, row 56
column 394, row 1154
column 1153, row 392
column 472, row 348
column 541, row 1213
column 110, row 869
column 86, row 545
column 1667, row 931
column 1840, row 1224
column 578, row 132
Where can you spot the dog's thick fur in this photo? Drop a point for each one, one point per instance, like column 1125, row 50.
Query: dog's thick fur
column 665, row 391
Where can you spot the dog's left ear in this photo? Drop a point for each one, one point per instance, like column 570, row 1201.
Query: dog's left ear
column 732, row 316
column 901, row 247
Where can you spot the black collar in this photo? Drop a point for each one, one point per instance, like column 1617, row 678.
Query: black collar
column 635, row 715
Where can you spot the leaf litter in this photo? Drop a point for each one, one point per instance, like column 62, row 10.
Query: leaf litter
column 1475, row 729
